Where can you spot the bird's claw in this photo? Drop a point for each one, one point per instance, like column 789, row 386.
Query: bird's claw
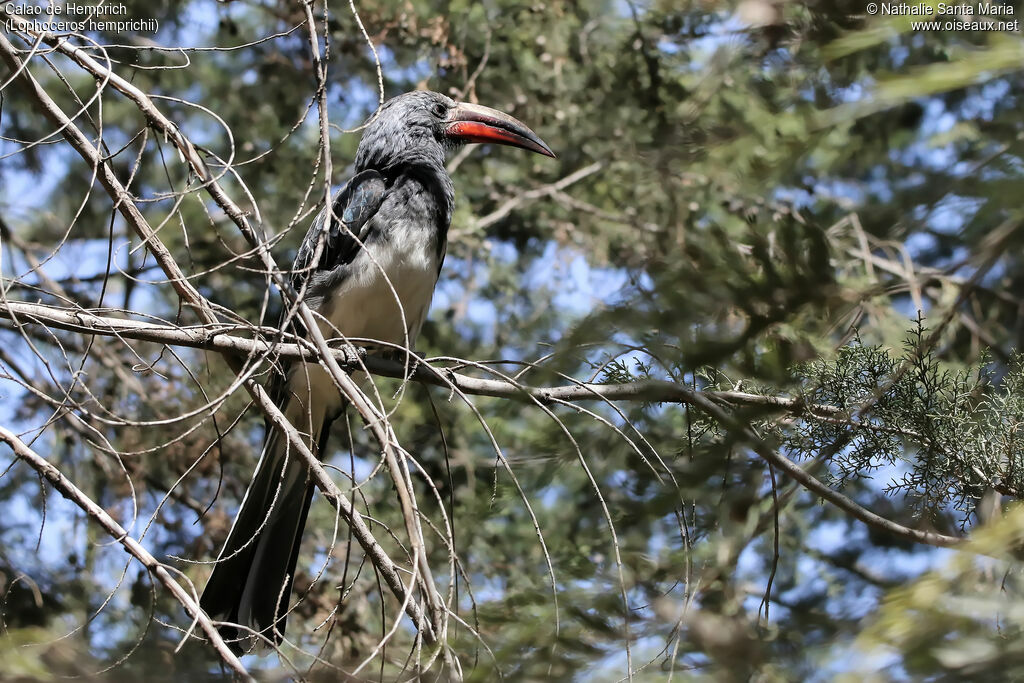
column 354, row 355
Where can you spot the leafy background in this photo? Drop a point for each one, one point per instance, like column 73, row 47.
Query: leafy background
column 769, row 195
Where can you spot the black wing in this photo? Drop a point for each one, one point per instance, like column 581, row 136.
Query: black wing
column 353, row 207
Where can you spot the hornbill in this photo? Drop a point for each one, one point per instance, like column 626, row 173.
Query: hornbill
column 381, row 245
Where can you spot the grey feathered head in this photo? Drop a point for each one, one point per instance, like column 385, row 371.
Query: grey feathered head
column 417, row 128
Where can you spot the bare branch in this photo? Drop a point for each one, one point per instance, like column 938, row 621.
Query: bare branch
column 645, row 390
column 219, row 337
column 130, row 545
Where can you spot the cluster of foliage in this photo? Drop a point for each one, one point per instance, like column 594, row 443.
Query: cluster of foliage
column 944, row 438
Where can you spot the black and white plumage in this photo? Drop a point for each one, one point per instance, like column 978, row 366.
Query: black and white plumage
column 374, row 278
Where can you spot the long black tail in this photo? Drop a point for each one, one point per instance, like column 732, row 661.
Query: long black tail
column 252, row 581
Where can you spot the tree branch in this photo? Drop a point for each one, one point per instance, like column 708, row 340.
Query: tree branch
column 219, row 337
column 207, row 337
column 130, row 545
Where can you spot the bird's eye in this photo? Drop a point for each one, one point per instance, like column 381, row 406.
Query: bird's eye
column 439, row 110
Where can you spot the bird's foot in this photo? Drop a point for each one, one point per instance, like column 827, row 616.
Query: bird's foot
column 353, row 355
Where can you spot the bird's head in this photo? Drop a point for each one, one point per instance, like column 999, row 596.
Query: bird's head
column 417, row 128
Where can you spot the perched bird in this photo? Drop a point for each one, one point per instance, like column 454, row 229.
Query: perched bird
column 383, row 241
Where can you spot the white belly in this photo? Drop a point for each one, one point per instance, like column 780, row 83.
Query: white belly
column 388, row 286
column 387, row 295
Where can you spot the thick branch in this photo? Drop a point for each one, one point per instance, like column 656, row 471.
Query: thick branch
column 223, row 337
column 646, row 390
column 220, row 337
